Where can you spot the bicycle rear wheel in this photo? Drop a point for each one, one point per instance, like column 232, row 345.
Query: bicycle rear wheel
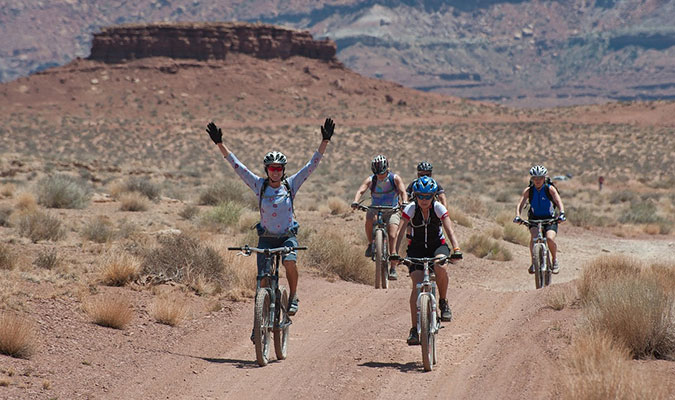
column 537, row 261
column 261, row 332
column 427, row 339
column 379, row 262
column 281, row 324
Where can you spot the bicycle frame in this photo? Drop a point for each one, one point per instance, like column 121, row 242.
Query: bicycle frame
column 380, row 231
column 540, row 244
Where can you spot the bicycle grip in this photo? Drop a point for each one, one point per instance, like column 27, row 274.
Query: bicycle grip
column 301, row 247
column 235, row 248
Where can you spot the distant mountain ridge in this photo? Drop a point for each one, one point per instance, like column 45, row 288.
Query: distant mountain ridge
column 519, row 52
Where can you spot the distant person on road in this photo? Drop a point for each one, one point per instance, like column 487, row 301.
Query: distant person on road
column 543, row 197
column 426, row 169
column 428, row 219
column 386, row 189
column 601, row 181
column 277, row 226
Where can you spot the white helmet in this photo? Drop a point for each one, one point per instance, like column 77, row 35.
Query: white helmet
column 379, row 165
column 274, row 157
column 538, row 170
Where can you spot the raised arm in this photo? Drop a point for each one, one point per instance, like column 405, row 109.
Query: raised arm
column 297, row 179
column 250, row 179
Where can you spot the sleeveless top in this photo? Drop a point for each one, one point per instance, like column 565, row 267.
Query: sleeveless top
column 541, row 206
column 385, row 193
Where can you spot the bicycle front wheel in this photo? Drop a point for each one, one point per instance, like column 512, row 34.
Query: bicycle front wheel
column 427, row 338
column 379, row 259
column 261, row 331
column 547, row 272
column 281, row 324
column 538, row 259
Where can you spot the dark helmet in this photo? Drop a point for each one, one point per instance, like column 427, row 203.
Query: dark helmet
column 379, row 165
column 274, row 157
column 425, row 167
column 425, row 185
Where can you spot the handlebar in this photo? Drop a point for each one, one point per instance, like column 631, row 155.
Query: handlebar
column 378, row 208
column 535, row 222
column 421, row 261
column 277, row 250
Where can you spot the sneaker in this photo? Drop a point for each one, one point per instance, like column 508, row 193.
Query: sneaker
column 556, row 267
column 531, row 269
column 369, row 251
column 446, row 314
column 413, row 339
column 393, row 275
column 293, row 305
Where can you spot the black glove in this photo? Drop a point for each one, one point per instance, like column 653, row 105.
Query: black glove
column 456, row 255
column 355, row 205
column 562, row 217
column 394, row 257
column 215, row 133
column 518, row 220
column 327, row 129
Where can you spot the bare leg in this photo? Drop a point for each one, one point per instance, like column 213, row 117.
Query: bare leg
column 442, row 281
column 291, row 275
column 369, row 229
column 552, row 246
column 391, row 231
column 416, row 277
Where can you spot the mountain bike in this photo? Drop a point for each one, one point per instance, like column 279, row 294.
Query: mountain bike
column 380, row 244
column 271, row 301
column 428, row 321
column 540, row 253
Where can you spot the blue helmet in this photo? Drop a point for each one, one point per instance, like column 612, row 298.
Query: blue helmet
column 425, row 185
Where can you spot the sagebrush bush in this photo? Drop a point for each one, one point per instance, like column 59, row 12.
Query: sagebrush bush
column 133, row 201
column 640, row 212
column 228, row 191
column 622, row 196
column 62, row 191
column 119, row 268
column 6, row 257
column 7, row 190
column 98, row 229
column 112, row 311
column 483, row 246
column 330, row 252
column 585, row 217
column 17, row 336
column 184, row 259
column 472, row 205
column 225, row 214
column 47, row 259
column 518, row 234
column 25, row 202
column 239, row 274
column 38, row 226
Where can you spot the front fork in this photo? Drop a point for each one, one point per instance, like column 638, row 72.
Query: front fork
column 424, row 290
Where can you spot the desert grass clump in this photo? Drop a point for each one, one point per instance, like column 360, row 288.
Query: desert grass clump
column 99, row 230
column 558, row 297
column 603, row 269
column 338, row 206
column 496, row 232
column 47, row 259
column 182, row 258
column 119, row 268
column 472, row 205
column 224, row 214
column 459, row 217
column 516, row 234
column 134, row 202
column 169, row 309
column 239, row 275
column 25, row 202
column 330, row 252
column 189, row 212
column 37, row 225
column 598, row 367
column 228, row 191
column 62, row 191
column 247, row 221
column 7, row 257
column 483, row 246
column 17, row 336
column 112, row 311
column 7, row 190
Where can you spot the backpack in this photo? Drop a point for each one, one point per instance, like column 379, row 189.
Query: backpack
column 547, row 184
column 284, row 182
column 373, row 182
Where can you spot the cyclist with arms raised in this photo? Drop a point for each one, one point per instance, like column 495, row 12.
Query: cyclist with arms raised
column 543, row 198
column 386, row 189
column 277, row 226
column 428, row 219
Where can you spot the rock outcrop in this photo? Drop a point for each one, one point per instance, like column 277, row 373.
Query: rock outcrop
column 206, row 41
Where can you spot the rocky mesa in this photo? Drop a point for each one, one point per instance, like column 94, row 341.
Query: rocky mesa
column 206, row 41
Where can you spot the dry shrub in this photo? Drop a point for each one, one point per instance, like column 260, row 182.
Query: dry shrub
column 652, row 229
column 226, row 214
column 169, row 309
column 483, row 246
column 139, row 185
column 240, row 275
column 6, row 257
column 338, row 206
column 640, row 212
column 62, row 191
column 184, row 259
column 189, row 212
column 228, row 191
column 663, row 273
column 602, row 269
column 99, row 230
column 504, row 218
column 112, row 311
column 47, row 259
column 472, row 205
column 459, row 217
column 119, row 268
column 25, row 202
column 133, row 201
column 7, row 189
column 558, row 297
column 247, row 221
column 599, row 368
column 17, row 336
column 586, row 218
column 330, row 252
column 518, row 234
column 496, row 232
column 37, row 226
column 5, row 214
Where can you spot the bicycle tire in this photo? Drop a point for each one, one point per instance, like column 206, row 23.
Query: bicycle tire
column 261, row 326
column 280, row 317
column 547, row 273
column 427, row 339
column 379, row 262
column 384, row 271
column 537, row 250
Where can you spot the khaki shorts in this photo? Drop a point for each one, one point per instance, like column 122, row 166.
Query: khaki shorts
column 388, row 217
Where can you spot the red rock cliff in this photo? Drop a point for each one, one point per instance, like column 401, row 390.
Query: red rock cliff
column 204, row 41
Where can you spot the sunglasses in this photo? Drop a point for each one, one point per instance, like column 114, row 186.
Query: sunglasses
column 275, row 168
column 424, row 196
column 421, row 174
